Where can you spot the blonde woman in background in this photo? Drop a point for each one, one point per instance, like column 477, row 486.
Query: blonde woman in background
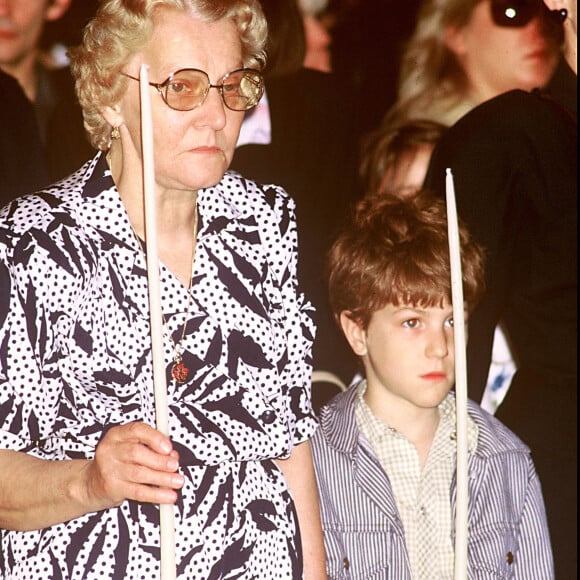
column 464, row 52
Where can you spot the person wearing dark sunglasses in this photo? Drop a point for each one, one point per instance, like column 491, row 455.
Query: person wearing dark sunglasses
column 463, row 52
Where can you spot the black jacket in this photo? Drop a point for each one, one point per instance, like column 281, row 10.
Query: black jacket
column 43, row 142
column 21, row 156
column 514, row 164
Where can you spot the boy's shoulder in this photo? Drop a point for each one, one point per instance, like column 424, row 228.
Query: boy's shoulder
column 337, row 428
column 493, row 436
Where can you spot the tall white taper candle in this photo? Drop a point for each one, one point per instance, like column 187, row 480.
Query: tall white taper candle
column 461, row 502
column 167, row 522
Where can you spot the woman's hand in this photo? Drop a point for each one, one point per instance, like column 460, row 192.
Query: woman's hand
column 133, row 461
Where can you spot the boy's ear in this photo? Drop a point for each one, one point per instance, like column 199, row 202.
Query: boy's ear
column 354, row 333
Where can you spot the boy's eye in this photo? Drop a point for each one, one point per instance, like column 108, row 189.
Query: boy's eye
column 450, row 322
column 411, row 323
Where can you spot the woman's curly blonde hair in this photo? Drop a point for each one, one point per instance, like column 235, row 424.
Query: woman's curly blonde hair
column 121, row 28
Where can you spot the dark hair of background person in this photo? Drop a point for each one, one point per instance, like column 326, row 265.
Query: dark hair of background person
column 66, row 146
column 68, row 29
column 384, row 149
column 368, row 38
column 286, row 46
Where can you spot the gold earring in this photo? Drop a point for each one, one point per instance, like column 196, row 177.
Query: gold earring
column 115, row 133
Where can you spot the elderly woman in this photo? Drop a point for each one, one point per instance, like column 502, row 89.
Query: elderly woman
column 464, row 52
column 81, row 466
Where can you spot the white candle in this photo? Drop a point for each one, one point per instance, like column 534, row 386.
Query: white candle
column 461, row 504
column 167, row 523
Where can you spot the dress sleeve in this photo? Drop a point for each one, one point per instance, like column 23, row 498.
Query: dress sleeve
column 29, row 389
column 296, row 368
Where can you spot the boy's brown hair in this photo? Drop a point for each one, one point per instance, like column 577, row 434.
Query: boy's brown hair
column 396, row 251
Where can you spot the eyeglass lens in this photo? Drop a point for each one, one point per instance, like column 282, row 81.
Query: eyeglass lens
column 516, row 13
column 188, row 88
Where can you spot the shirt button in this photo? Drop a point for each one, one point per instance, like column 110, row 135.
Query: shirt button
column 346, row 564
column 268, row 416
column 509, row 558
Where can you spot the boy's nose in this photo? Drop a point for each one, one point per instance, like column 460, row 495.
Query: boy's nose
column 438, row 344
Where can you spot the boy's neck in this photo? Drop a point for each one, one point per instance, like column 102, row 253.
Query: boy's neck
column 422, row 438
column 416, row 425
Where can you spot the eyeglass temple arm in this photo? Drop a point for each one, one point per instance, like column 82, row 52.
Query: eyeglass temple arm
column 158, row 86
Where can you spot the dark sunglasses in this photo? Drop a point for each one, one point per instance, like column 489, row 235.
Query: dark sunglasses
column 517, row 13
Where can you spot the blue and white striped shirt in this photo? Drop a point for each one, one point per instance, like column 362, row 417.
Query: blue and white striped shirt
column 364, row 536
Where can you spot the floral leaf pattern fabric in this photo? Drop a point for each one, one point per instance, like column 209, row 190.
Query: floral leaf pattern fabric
column 75, row 360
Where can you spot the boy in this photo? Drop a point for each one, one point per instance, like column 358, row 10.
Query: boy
column 385, row 450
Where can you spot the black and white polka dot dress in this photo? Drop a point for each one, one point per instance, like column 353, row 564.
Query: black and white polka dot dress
column 75, row 359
